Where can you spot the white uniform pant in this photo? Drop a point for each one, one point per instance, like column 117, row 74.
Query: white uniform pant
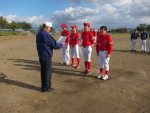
column 65, row 52
column 134, row 44
column 95, row 38
column 103, row 60
column 87, row 53
column 75, row 51
column 143, row 45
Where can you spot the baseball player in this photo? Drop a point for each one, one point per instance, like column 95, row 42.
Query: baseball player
column 74, row 46
column 65, row 48
column 104, row 48
column 98, row 33
column 134, row 36
column 144, row 36
column 94, row 34
column 87, row 44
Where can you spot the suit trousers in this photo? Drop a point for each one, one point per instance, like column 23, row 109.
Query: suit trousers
column 46, row 73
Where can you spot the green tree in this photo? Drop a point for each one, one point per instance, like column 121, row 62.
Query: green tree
column 40, row 27
column 3, row 23
column 148, row 27
column 14, row 25
column 24, row 25
column 141, row 27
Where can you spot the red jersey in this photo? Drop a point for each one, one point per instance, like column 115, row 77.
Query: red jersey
column 74, row 39
column 98, row 33
column 66, row 33
column 104, row 42
column 94, row 33
column 88, row 39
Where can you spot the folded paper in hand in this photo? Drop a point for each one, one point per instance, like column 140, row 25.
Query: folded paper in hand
column 62, row 39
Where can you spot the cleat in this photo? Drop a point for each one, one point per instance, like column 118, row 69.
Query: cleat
column 87, row 73
column 132, row 50
column 77, row 67
column 104, row 77
column 99, row 76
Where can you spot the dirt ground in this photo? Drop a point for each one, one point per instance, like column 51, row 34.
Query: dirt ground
column 126, row 91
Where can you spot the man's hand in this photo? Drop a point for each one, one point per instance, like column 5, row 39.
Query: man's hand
column 63, row 44
column 108, row 55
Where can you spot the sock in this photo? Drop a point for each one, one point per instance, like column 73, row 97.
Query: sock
column 89, row 65
column 72, row 59
column 106, row 72
column 78, row 61
column 101, row 71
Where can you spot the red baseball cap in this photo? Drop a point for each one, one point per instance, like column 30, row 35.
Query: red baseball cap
column 64, row 25
column 74, row 26
column 88, row 24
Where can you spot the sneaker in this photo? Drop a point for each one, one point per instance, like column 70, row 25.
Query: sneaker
column 135, row 50
column 66, row 63
column 72, row 65
column 77, row 67
column 104, row 77
column 132, row 50
column 99, row 76
column 86, row 73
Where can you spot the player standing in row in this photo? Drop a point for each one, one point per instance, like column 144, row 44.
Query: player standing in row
column 144, row 36
column 94, row 34
column 134, row 36
column 87, row 44
column 74, row 46
column 65, row 48
column 98, row 33
column 104, row 48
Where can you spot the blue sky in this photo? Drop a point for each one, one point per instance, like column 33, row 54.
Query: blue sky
column 114, row 14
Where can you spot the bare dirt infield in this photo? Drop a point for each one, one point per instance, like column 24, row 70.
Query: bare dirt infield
column 126, row 91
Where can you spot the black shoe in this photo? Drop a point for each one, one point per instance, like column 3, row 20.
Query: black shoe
column 50, row 90
column 132, row 50
column 135, row 50
column 87, row 73
column 142, row 51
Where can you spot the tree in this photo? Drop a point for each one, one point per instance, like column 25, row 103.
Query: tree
column 141, row 27
column 24, row 25
column 148, row 27
column 14, row 25
column 40, row 27
column 3, row 23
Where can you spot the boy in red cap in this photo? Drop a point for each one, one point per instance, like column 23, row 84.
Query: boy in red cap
column 104, row 48
column 74, row 45
column 87, row 44
column 65, row 48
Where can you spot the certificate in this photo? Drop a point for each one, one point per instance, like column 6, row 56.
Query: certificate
column 62, row 39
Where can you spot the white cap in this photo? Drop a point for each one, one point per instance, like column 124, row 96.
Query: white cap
column 48, row 24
